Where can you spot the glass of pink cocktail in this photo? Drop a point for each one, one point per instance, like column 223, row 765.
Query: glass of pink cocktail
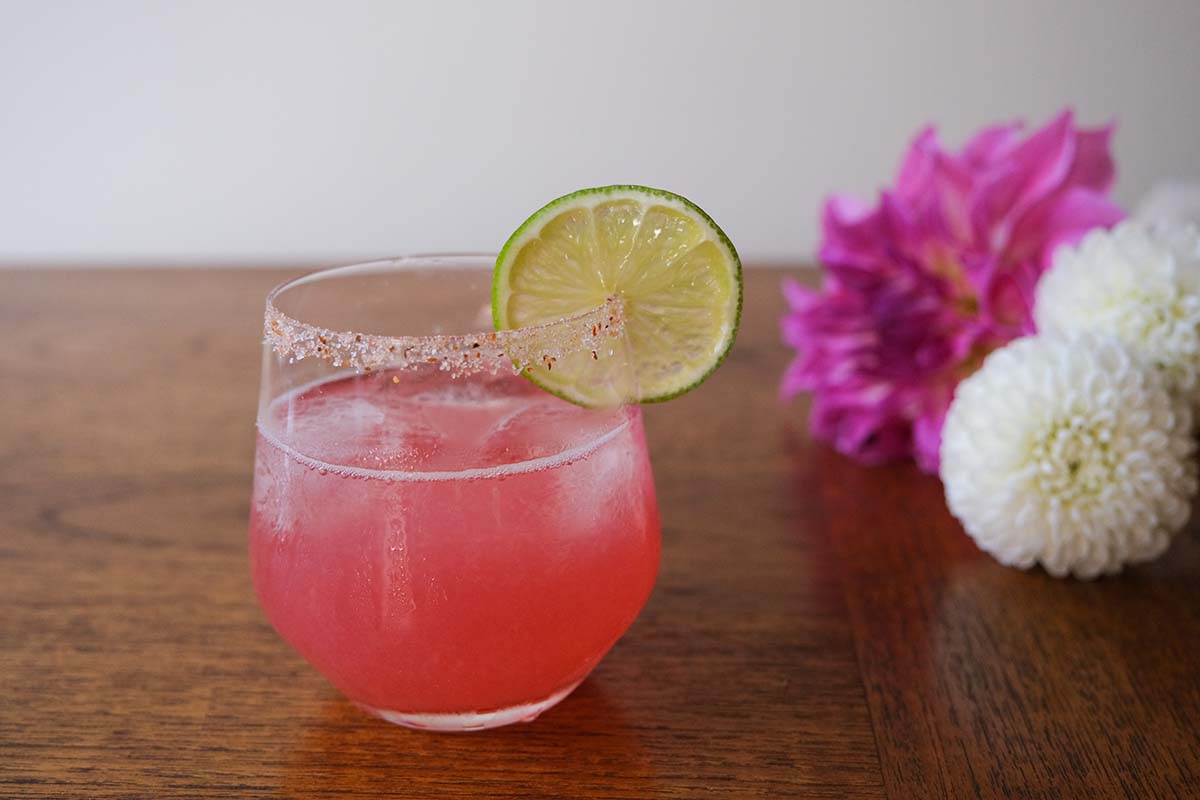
column 451, row 546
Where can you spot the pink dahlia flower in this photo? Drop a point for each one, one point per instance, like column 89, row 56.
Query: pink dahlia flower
column 921, row 286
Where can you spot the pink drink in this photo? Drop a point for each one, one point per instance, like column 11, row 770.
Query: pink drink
column 444, row 548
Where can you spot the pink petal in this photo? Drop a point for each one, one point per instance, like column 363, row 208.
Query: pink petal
column 851, row 232
column 792, row 383
column 1007, row 299
column 1035, row 168
column 1061, row 219
column 1093, row 167
column 953, row 186
column 916, row 170
column 900, row 224
column 990, row 145
column 798, row 296
column 861, row 432
column 927, row 440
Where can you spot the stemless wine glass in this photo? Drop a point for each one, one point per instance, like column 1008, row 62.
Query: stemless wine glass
column 451, row 546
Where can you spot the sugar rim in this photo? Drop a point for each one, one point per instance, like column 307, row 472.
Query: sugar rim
column 459, row 354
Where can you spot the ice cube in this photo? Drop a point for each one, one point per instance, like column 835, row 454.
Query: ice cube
column 408, row 444
column 544, row 427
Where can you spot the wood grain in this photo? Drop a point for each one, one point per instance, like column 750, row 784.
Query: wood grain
column 134, row 661
column 989, row 682
column 818, row 629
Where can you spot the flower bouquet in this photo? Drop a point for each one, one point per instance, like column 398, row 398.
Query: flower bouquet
column 987, row 319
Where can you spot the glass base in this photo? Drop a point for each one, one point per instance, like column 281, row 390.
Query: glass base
column 470, row 720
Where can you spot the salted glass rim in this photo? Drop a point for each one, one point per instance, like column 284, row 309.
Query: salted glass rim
column 457, row 353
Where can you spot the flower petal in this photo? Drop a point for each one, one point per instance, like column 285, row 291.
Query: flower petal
column 860, row 430
column 1008, row 297
column 990, row 145
column 927, row 439
column 1093, row 167
column 916, row 170
column 1033, row 170
column 798, row 296
column 851, row 232
column 1061, row 219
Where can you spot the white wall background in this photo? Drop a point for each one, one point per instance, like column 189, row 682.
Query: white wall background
column 246, row 132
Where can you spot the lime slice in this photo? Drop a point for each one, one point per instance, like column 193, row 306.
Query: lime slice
column 678, row 277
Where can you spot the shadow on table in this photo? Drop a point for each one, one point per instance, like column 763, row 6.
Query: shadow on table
column 582, row 747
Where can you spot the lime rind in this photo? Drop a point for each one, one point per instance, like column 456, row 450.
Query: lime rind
column 647, row 198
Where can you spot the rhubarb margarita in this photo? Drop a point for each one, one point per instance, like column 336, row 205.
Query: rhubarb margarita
column 454, row 517
column 451, row 551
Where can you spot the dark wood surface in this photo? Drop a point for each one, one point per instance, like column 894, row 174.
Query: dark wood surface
column 818, row 629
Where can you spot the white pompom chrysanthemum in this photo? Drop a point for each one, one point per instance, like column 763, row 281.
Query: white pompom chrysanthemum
column 1138, row 282
column 1068, row 452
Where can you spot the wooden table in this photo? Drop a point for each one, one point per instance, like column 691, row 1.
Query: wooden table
column 818, row 629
